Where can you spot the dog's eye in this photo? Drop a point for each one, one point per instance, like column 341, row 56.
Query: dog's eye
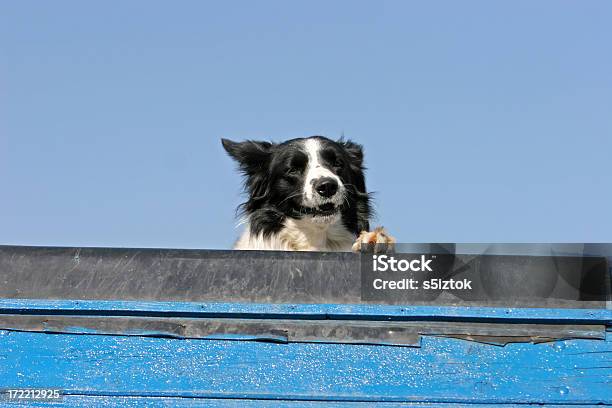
column 338, row 163
column 292, row 171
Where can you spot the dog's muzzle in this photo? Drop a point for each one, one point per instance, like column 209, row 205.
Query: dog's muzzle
column 324, row 210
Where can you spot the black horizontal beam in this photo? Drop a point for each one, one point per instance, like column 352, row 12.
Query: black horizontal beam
column 268, row 277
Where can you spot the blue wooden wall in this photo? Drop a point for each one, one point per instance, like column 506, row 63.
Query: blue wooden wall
column 440, row 371
column 103, row 370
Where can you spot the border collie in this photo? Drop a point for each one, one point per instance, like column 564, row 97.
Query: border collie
column 305, row 194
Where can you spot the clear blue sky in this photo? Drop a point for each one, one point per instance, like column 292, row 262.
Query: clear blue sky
column 482, row 121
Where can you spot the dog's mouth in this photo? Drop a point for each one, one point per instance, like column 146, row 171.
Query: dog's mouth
column 324, row 210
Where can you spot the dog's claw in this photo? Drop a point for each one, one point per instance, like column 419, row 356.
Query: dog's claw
column 378, row 241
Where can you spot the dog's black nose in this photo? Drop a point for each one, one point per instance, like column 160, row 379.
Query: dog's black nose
column 326, row 186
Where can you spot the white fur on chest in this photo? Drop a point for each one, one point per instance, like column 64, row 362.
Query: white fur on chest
column 300, row 235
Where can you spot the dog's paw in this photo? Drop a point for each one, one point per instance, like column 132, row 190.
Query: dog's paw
column 377, row 241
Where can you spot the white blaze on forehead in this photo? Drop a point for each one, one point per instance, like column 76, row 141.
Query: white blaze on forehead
column 315, row 170
column 312, row 150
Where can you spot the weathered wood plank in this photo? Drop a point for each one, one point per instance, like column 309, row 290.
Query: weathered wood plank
column 281, row 330
column 442, row 370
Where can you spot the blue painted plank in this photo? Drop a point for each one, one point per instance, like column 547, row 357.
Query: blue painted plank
column 441, row 371
column 305, row 311
column 132, row 402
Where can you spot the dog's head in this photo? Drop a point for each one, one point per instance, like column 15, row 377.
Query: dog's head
column 312, row 178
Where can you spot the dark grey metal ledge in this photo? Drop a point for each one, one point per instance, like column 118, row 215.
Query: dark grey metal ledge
column 271, row 277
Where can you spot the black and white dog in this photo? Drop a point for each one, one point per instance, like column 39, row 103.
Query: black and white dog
column 306, row 194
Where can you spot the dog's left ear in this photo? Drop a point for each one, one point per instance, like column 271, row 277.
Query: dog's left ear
column 251, row 155
column 355, row 150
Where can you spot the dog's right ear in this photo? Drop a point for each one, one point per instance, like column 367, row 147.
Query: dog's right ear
column 252, row 156
column 355, row 150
